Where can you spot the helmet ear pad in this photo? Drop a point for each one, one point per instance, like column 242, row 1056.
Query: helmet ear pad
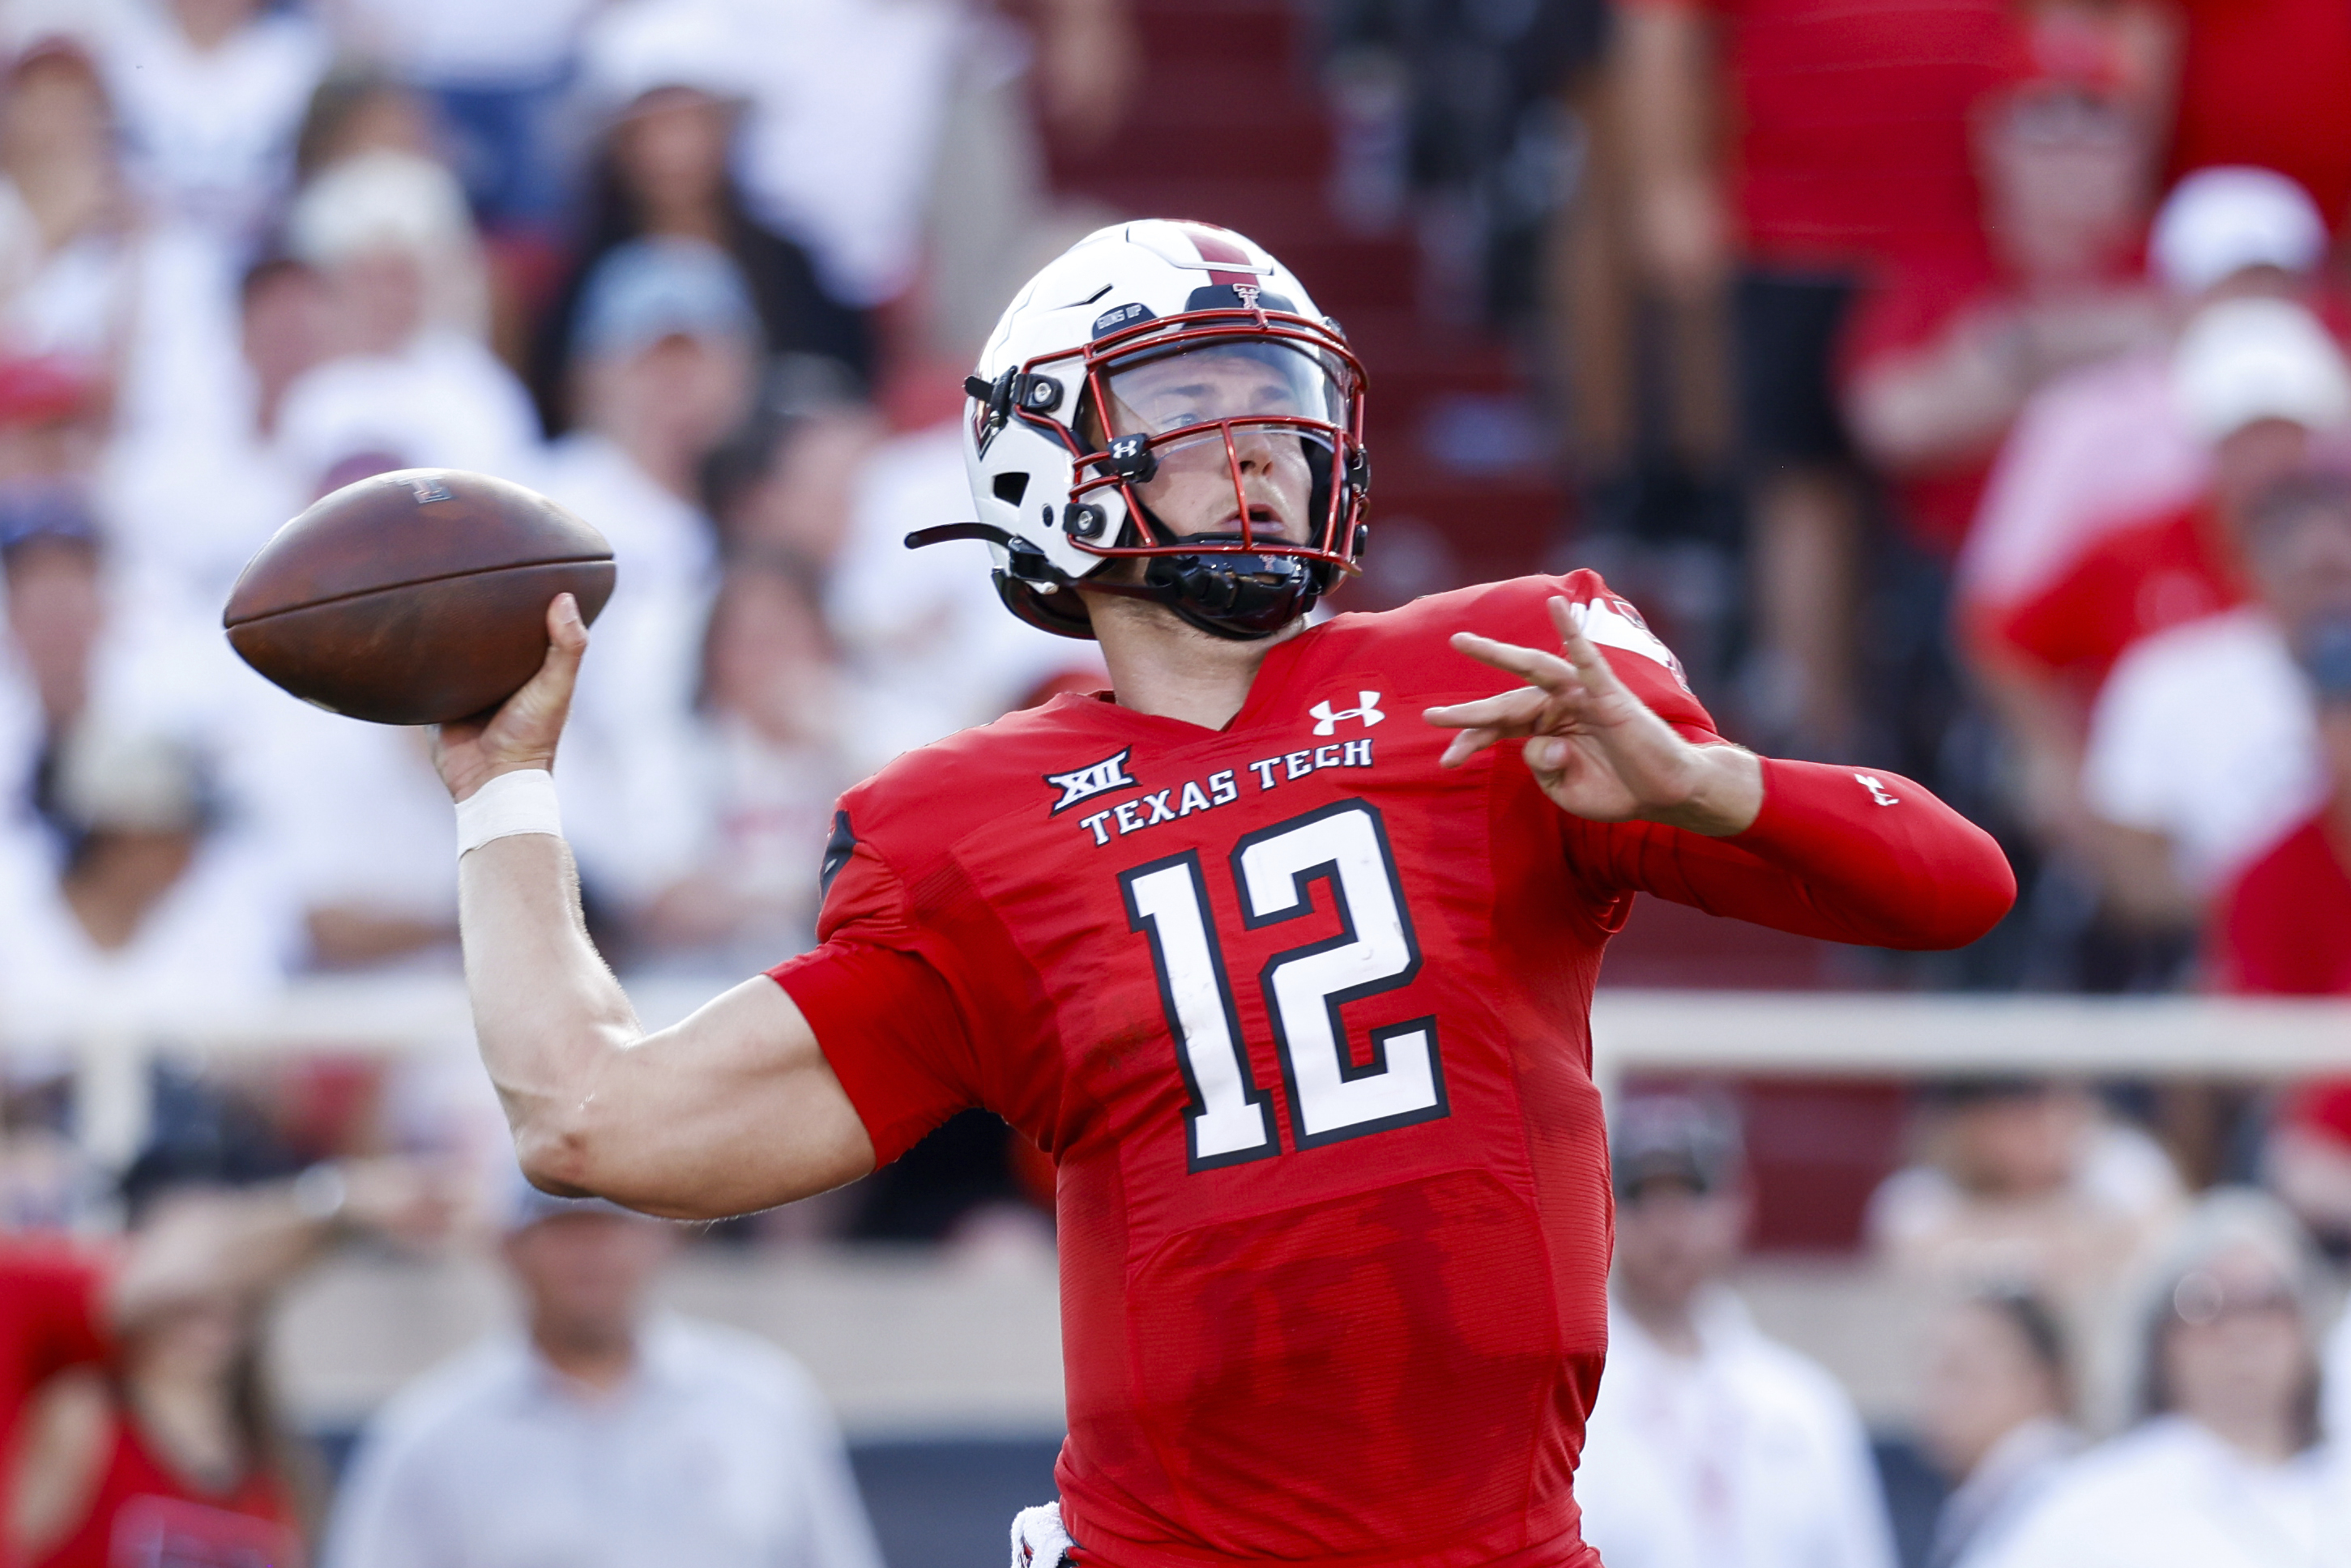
column 1061, row 612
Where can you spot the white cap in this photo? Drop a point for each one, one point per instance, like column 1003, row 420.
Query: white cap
column 2240, row 361
column 379, row 201
column 128, row 781
column 2216, row 222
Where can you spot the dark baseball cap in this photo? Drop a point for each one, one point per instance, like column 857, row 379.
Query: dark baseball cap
column 1692, row 1140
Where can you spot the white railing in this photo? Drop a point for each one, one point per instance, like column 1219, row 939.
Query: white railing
column 989, row 1346
column 1748, row 1032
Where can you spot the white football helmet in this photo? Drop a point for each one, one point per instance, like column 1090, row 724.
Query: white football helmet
column 1157, row 364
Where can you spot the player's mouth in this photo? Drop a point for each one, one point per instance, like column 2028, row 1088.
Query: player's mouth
column 1265, row 523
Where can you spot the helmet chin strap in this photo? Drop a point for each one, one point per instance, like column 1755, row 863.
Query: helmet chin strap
column 1242, row 596
column 1239, row 595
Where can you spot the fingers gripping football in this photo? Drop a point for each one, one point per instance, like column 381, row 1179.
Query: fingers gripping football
column 523, row 731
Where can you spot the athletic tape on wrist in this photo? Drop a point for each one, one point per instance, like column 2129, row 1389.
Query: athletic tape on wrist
column 519, row 802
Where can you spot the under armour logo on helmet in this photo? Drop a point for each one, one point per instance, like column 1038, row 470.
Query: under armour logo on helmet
column 1326, row 718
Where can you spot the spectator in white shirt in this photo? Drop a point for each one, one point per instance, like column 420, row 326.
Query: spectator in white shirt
column 188, row 505
column 1710, row 1446
column 770, row 755
column 410, row 383
column 2023, row 1181
column 1995, row 1413
column 2223, row 1468
column 162, row 911
column 496, row 74
column 368, row 846
column 923, row 631
column 210, row 93
column 134, row 890
column 140, row 304
column 667, row 352
column 2181, row 820
column 597, row 1440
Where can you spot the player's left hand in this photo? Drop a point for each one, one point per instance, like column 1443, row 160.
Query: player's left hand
column 1597, row 750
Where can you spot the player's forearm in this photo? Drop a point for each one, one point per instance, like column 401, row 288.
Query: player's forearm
column 548, row 1012
column 1878, row 857
column 1725, row 793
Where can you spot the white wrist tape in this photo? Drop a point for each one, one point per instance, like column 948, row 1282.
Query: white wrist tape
column 520, row 802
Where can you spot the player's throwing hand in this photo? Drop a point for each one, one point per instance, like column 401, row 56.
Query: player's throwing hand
column 1595, row 748
column 522, row 732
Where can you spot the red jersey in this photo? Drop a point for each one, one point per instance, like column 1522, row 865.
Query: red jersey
column 49, row 1321
column 1852, row 123
column 2285, row 926
column 144, row 1515
column 1302, row 1018
column 1910, row 309
column 2268, row 82
column 2130, row 584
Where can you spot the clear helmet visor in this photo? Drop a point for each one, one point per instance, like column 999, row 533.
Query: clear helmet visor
column 1155, row 394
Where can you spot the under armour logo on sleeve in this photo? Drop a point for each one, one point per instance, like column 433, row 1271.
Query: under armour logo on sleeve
column 1326, row 718
column 1876, row 788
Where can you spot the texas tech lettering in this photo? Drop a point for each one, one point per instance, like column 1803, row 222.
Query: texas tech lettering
column 1222, row 788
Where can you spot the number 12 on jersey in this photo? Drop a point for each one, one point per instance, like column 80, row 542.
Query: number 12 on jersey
column 1331, row 1095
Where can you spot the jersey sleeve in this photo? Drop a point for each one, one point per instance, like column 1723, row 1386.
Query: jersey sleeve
column 1869, row 858
column 1518, row 611
column 877, row 994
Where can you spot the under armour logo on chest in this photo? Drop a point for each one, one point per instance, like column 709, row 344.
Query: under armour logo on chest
column 1876, row 788
column 1326, row 718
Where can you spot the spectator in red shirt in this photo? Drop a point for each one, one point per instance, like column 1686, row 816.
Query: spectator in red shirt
column 1849, row 151
column 2108, row 445
column 2284, row 928
column 2255, row 380
column 2268, row 82
column 65, row 1305
column 1943, row 356
column 53, row 1313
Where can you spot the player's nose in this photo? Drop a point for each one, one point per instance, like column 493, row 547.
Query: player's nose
column 1253, row 447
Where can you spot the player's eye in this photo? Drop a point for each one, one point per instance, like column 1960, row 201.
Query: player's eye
column 1175, row 416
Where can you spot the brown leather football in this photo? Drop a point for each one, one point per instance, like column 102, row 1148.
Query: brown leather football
column 417, row 597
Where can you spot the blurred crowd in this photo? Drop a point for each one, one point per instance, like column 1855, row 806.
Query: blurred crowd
column 709, row 272
column 712, row 293
column 2107, row 1372
column 1963, row 382
column 1961, row 385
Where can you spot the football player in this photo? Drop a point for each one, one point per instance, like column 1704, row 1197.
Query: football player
column 1283, row 949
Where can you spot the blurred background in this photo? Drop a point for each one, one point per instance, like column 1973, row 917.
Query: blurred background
column 1958, row 385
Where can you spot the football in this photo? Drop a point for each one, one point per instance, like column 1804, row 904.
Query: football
column 417, row 597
